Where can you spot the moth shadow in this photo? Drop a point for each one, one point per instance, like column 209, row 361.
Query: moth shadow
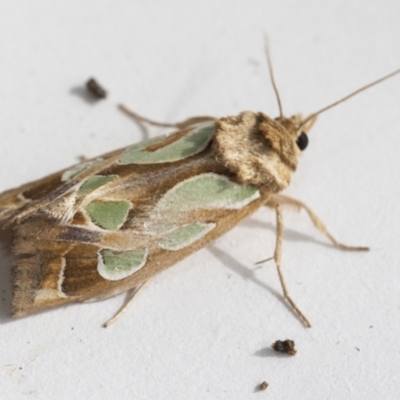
column 290, row 235
column 6, row 259
column 246, row 273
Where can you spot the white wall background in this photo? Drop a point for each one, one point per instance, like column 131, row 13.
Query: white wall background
column 202, row 329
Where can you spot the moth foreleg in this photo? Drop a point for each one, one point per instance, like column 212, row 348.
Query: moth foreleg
column 132, row 294
column 285, row 200
column 277, row 258
column 180, row 125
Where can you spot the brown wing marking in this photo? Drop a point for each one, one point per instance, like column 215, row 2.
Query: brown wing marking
column 58, row 265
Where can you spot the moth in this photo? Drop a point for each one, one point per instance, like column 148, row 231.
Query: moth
column 109, row 224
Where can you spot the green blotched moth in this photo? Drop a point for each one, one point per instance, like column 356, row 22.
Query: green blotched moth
column 110, row 224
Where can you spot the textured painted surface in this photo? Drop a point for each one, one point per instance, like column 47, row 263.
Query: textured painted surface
column 108, row 214
column 185, row 236
column 207, row 191
column 115, row 266
column 192, row 143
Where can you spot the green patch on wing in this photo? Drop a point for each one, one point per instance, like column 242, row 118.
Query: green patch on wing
column 77, row 169
column 94, row 182
column 185, row 236
column 108, row 215
column 207, row 191
column 192, row 143
column 115, row 266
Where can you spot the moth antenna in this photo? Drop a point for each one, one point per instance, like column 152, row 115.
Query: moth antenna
column 343, row 99
column 271, row 76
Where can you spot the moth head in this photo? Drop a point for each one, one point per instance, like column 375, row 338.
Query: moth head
column 259, row 150
column 298, row 127
column 263, row 152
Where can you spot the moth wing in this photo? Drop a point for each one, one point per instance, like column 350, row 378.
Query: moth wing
column 167, row 201
column 55, row 193
column 30, row 197
column 70, row 263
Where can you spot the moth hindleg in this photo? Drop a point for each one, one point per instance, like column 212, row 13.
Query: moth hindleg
column 132, row 294
column 289, row 201
column 180, row 125
column 277, row 258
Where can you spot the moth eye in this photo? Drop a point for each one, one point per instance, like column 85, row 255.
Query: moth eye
column 302, row 141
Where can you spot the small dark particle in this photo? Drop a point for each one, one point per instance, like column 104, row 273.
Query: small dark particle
column 357, row 348
column 263, row 385
column 285, row 347
column 95, row 89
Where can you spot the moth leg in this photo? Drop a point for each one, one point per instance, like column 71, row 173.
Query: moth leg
column 264, row 261
column 133, row 293
column 82, row 158
column 285, row 200
column 180, row 125
column 277, row 258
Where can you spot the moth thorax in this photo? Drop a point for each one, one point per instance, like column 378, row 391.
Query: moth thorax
column 257, row 149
